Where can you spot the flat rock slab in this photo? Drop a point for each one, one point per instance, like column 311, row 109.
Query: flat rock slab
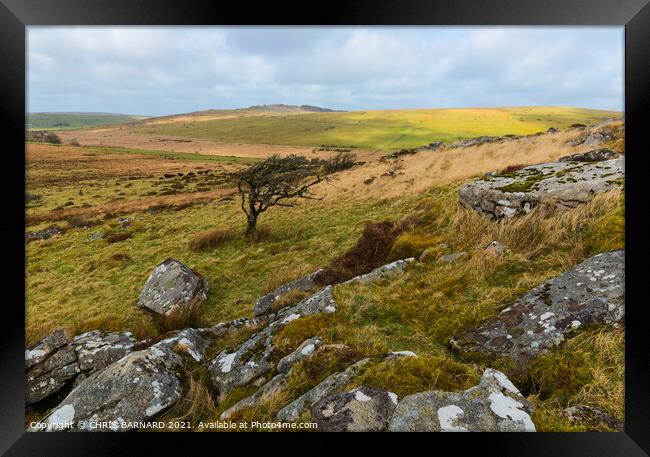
column 558, row 185
column 596, row 155
column 590, row 293
column 263, row 304
column 96, row 350
column 173, row 286
column 364, row 409
column 494, row 405
column 136, row 388
column 49, row 365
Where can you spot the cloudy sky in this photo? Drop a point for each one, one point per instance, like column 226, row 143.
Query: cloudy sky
column 163, row 70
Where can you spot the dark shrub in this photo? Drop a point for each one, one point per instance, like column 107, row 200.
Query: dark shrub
column 117, row 237
column 52, row 138
column 512, row 168
column 341, row 161
column 370, row 252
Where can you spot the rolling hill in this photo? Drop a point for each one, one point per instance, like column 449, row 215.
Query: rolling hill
column 68, row 121
column 385, row 130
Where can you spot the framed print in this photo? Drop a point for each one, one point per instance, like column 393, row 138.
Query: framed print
column 366, row 219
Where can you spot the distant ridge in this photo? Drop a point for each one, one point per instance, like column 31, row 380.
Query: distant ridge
column 280, row 107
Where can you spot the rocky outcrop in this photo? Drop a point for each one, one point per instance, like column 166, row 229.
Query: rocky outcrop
column 136, row 388
column 596, row 155
column 49, row 366
column 593, row 418
column 292, row 411
column 253, row 358
column 494, row 405
column 303, row 351
column 590, row 293
column 173, row 287
column 557, row 185
column 263, row 304
column 385, row 271
column 96, row 350
column 594, row 138
column 364, row 409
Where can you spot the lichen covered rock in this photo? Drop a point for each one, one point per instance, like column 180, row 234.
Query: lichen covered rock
column 590, row 293
column 263, row 304
column 364, row 409
column 49, row 365
column 494, row 405
column 173, row 286
column 136, row 388
column 292, row 411
column 382, row 272
column 304, row 350
column 96, row 350
column 557, row 185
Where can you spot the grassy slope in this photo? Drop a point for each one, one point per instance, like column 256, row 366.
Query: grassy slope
column 392, row 129
column 75, row 283
column 67, row 121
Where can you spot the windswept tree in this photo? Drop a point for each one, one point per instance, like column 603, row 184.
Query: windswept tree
column 276, row 181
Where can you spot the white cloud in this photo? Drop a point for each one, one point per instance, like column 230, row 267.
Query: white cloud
column 169, row 70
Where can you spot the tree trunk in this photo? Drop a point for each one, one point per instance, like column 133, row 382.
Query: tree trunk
column 251, row 226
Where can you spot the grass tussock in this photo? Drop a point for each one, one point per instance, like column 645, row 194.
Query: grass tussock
column 189, row 316
column 409, row 375
column 281, row 277
column 209, row 240
column 196, row 406
column 116, row 237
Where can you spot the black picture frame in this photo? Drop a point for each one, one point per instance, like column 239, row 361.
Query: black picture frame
column 15, row 15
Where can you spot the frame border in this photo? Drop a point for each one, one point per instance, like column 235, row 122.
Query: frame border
column 15, row 15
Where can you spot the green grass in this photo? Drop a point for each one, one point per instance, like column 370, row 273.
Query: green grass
column 385, row 130
column 181, row 156
column 68, row 121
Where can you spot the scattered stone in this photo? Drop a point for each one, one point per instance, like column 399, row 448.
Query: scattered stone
column 495, row 247
column 136, row 388
column 455, row 257
column 382, row 272
column 364, row 409
column 596, row 155
column 263, row 304
column 557, row 185
column 42, row 234
column 96, row 350
column 494, row 405
column 96, row 235
column 552, row 130
column 398, row 354
column 303, row 351
column 173, row 286
column 590, row 293
column 594, row 418
column 49, row 365
column 292, row 411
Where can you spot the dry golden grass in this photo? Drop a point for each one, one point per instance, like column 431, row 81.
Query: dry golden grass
column 209, row 240
column 419, row 172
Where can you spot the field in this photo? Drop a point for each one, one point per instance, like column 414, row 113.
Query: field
column 121, row 210
column 68, row 121
column 375, row 130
